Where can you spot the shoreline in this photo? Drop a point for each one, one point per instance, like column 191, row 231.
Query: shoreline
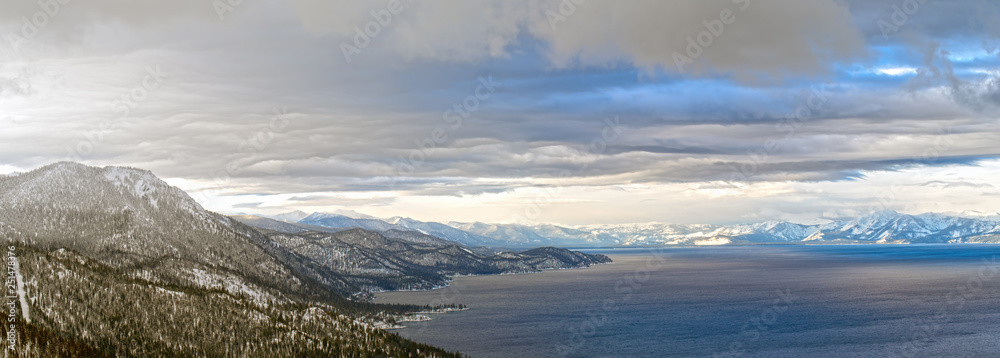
column 421, row 316
column 452, row 278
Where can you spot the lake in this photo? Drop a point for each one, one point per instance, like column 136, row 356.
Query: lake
column 756, row 301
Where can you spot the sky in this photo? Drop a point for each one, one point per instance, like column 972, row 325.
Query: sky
column 570, row 112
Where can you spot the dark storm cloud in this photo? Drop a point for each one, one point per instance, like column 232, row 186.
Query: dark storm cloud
column 881, row 21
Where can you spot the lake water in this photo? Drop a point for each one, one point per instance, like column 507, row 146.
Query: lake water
column 762, row 301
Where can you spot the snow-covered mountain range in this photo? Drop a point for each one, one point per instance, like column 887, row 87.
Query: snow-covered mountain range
column 335, row 220
column 880, row 227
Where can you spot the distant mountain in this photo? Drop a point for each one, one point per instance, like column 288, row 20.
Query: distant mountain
column 879, row 227
column 404, row 259
column 279, row 225
column 523, row 235
column 644, row 234
column 447, row 232
column 439, row 230
column 331, row 220
column 291, row 217
column 641, row 234
column 972, row 214
column 374, row 262
column 295, row 228
column 892, row 227
column 352, row 214
column 763, row 232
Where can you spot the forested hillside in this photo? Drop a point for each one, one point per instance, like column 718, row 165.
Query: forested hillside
column 114, row 262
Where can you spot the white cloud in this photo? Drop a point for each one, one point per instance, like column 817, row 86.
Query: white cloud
column 897, row 71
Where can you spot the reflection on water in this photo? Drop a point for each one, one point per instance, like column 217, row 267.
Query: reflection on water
column 766, row 301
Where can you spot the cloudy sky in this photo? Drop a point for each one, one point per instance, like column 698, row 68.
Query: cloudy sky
column 529, row 111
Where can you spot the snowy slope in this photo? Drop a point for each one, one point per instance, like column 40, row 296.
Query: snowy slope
column 892, row 227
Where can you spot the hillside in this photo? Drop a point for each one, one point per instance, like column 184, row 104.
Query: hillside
column 115, row 262
column 375, row 262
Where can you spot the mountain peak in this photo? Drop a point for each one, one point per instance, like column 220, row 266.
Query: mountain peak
column 881, row 216
column 114, row 174
column 65, row 165
column 885, row 212
column 995, row 216
column 337, row 213
column 75, row 186
column 352, row 214
column 291, row 217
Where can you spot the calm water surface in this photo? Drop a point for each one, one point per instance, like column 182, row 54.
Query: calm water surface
column 766, row 301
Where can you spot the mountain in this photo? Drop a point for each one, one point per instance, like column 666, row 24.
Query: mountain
column 352, row 214
column 879, row 227
column 375, row 262
column 295, row 228
column 641, row 234
column 330, row 220
column 439, row 230
column 892, row 227
column 291, row 217
column 280, row 225
column 769, row 231
column 524, row 235
column 512, row 235
column 388, row 258
column 972, row 214
column 446, row 232
column 404, row 259
column 519, row 235
column 128, row 218
column 114, row 262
